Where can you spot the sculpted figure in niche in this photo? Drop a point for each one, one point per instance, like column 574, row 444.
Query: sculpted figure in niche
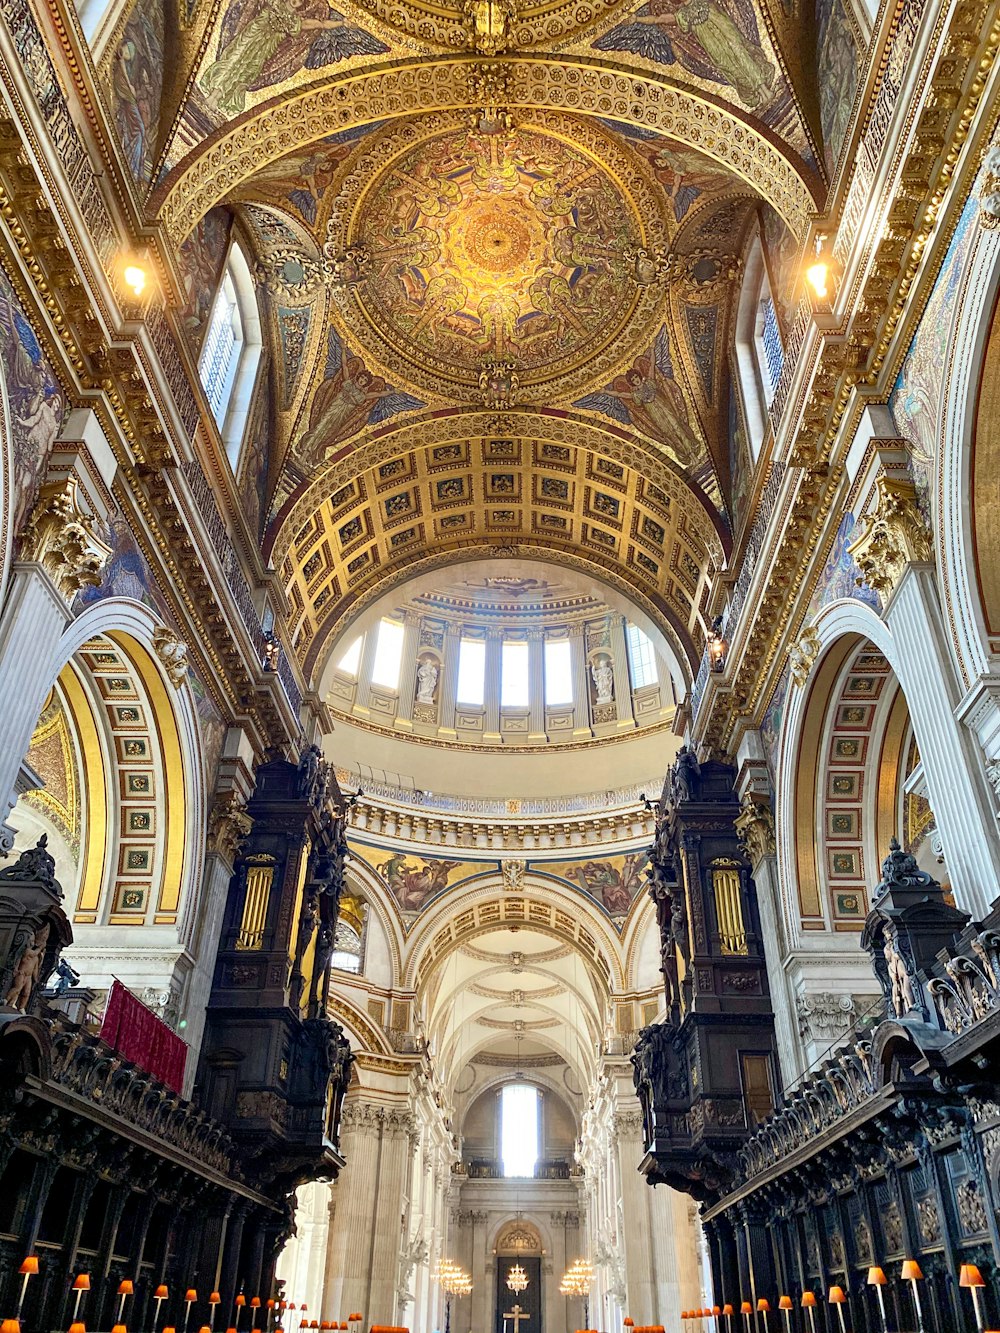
column 427, row 678
column 29, row 965
column 604, row 680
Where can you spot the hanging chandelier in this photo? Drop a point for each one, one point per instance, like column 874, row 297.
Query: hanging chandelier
column 517, row 1278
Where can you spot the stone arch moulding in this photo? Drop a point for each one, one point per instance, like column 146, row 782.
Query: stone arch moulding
column 971, row 384
column 940, row 740
column 537, row 1075
column 485, row 910
column 382, row 903
column 276, row 128
column 122, row 620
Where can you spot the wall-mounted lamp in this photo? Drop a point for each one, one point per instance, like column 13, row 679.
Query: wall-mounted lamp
column 819, row 274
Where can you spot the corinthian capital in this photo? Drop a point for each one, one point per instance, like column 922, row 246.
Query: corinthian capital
column 892, row 536
column 755, row 826
column 62, row 536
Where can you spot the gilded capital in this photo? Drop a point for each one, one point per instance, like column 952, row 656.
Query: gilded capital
column 801, row 655
column 892, row 536
column 61, row 535
column 172, row 652
column 755, row 827
column 229, row 824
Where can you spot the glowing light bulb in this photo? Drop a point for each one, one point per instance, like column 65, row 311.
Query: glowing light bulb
column 135, row 277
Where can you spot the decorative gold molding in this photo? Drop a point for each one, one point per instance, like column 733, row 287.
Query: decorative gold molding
column 893, row 535
column 223, row 163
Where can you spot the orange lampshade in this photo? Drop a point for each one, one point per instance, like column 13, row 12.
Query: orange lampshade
column 214, row 1299
column 836, row 1296
column 628, row 1322
column 254, row 1302
column 685, row 1314
column 727, row 1309
column 746, row 1308
column 125, row 1287
column 241, row 1300
column 119, row 1328
column 270, row 1305
column 784, row 1302
column 10, row 1326
column 190, row 1294
column 293, row 1306
column 717, row 1309
column 168, row 1329
column 314, row 1323
column 77, row 1328
column 764, row 1305
column 877, row 1277
column 808, row 1299
column 30, row 1265
column 204, row 1329
column 911, row 1271
column 970, row 1276
column 81, row 1282
column 344, row 1326
column 161, row 1293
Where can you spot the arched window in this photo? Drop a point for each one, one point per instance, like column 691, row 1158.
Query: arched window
column 760, row 355
column 520, row 1128
column 230, row 353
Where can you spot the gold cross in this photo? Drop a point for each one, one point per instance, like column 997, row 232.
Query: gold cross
column 517, row 1314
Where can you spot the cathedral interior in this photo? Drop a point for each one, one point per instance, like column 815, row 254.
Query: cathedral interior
column 403, row 407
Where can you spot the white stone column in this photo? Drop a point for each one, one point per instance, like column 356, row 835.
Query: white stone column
column 581, row 682
column 386, row 1203
column 363, row 692
column 33, row 619
column 448, row 683
column 494, row 668
column 536, row 686
column 623, row 682
column 408, row 671
column 958, row 798
column 349, row 1261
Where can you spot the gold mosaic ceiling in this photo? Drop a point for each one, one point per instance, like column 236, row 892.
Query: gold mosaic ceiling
column 475, row 223
column 507, row 247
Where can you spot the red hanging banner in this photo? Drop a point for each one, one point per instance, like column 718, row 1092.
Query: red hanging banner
column 136, row 1033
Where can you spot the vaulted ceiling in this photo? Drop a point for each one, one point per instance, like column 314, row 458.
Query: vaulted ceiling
column 498, row 249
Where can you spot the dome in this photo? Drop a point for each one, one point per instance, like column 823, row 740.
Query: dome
column 517, row 659
column 497, row 264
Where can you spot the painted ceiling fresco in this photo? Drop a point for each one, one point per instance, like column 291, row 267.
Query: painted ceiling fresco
column 414, row 881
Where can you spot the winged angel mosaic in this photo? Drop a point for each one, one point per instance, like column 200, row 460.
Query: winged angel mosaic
column 264, row 43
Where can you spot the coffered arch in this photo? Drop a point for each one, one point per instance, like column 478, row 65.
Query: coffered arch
column 209, row 174
column 386, row 514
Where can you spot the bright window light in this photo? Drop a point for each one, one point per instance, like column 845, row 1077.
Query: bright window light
column 388, row 654
column 220, row 351
column 514, row 676
column 471, row 672
column 519, row 1129
column 558, row 672
column 641, row 657
column 351, row 660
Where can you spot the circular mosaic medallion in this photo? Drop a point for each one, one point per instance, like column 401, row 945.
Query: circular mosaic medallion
column 496, row 248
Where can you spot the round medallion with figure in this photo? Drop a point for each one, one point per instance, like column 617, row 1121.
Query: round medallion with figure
column 498, row 264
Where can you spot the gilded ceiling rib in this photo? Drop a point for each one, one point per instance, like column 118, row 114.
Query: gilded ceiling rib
column 228, row 159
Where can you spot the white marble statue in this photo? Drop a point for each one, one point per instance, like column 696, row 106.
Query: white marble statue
column 604, row 680
column 427, row 675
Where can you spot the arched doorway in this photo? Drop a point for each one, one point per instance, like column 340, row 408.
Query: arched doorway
column 519, row 1246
